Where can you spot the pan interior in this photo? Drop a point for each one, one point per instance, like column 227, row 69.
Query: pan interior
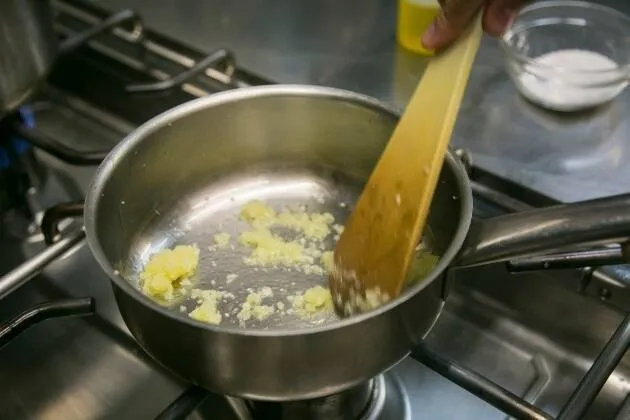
column 215, row 210
column 202, row 214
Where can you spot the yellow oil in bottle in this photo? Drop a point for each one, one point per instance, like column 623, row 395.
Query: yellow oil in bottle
column 414, row 17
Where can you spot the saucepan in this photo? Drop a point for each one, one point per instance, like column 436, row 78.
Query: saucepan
column 29, row 46
column 183, row 178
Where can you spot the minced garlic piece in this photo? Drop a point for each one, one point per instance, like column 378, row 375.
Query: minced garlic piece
column 313, row 225
column 270, row 249
column 357, row 300
column 208, row 310
column 327, row 260
column 311, row 269
column 168, row 269
column 313, row 301
column 253, row 307
column 421, row 266
column 222, row 240
column 256, row 212
column 373, row 299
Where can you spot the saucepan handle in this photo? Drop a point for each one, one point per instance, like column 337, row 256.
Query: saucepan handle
column 596, row 257
column 605, row 220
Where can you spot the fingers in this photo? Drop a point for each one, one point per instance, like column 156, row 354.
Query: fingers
column 498, row 15
column 451, row 22
column 457, row 14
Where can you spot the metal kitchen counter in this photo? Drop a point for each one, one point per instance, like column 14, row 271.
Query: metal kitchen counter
column 351, row 44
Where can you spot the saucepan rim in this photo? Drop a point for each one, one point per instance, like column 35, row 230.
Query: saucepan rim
column 110, row 164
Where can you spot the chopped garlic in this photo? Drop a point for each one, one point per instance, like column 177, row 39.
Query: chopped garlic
column 313, row 301
column 314, row 225
column 312, row 269
column 373, row 299
column 168, row 270
column 208, row 310
column 327, row 260
column 422, row 265
column 257, row 212
column 253, row 307
column 270, row 249
column 222, row 240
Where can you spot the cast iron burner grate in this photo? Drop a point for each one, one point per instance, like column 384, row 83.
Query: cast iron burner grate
column 382, row 398
column 180, row 80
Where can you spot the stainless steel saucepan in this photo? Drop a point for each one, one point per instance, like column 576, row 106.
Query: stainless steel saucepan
column 29, row 46
column 181, row 178
column 28, row 49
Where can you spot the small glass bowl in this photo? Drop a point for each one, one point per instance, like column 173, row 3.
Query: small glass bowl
column 568, row 55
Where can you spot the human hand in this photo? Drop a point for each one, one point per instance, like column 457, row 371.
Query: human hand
column 457, row 14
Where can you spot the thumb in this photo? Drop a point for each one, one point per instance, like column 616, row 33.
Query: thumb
column 498, row 15
column 453, row 18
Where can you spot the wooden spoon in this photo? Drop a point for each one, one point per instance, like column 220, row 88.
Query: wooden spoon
column 373, row 254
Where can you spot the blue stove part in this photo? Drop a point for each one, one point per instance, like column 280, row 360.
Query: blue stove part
column 27, row 116
column 17, row 146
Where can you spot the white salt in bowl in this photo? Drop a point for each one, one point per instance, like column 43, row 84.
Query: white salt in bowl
column 568, row 55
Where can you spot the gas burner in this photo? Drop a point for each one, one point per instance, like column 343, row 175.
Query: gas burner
column 21, row 175
column 381, row 398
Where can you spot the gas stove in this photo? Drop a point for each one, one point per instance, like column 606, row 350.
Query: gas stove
column 532, row 345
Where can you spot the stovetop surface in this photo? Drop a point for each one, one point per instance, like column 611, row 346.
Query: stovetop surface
column 351, row 44
column 532, row 333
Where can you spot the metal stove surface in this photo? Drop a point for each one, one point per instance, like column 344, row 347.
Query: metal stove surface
column 533, row 334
